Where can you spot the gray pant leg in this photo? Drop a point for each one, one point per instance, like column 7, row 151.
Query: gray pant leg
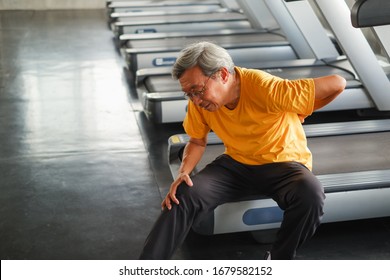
column 212, row 186
column 300, row 194
column 291, row 185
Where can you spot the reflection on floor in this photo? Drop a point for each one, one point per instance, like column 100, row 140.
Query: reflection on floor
column 82, row 170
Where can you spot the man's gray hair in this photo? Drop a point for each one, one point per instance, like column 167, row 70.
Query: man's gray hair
column 208, row 56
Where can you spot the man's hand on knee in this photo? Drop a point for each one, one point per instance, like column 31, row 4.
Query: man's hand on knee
column 171, row 195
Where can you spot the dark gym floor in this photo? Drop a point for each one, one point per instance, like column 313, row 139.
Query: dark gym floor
column 82, row 170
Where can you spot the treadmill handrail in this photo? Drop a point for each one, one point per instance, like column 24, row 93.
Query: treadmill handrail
column 309, row 40
column 358, row 51
column 370, row 13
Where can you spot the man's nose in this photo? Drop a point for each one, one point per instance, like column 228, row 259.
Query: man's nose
column 197, row 100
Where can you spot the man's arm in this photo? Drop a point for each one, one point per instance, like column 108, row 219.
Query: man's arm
column 192, row 154
column 327, row 88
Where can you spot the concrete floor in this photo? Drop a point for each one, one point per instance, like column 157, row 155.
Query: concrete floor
column 82, row 170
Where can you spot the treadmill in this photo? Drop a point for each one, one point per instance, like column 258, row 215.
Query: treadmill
column 134, row 14
column 179, row 7
column 120, row 6
column 261, row 19
column 243, row 46
column 351, row 159
column 162, row 5
column 265, row 22
column 264, row 42
column 163, row 100
column 163, row 23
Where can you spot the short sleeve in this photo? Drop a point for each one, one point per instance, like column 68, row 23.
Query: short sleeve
column 194, row 123
column 294, row 96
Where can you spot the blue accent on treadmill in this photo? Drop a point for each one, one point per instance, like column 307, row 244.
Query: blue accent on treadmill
column 164, row 61
column 146, row 30
column 259, row 216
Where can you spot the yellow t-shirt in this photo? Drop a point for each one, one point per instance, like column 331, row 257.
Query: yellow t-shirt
column 264, row 127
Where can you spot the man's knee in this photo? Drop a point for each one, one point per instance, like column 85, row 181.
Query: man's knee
column 310, row 194
column 307, row 191
column 187, row 192
column 190, row 197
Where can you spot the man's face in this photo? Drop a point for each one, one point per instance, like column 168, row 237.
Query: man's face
column 200, row 89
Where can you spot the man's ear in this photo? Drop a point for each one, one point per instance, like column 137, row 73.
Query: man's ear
column 224, row 74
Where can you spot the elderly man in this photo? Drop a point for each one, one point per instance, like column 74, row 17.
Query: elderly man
column 259, row 118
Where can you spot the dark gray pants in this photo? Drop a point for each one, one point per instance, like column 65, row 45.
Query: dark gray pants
column 296, row 190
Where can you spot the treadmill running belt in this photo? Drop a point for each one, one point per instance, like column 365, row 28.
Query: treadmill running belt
column 162, row 83
column 350, row 153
